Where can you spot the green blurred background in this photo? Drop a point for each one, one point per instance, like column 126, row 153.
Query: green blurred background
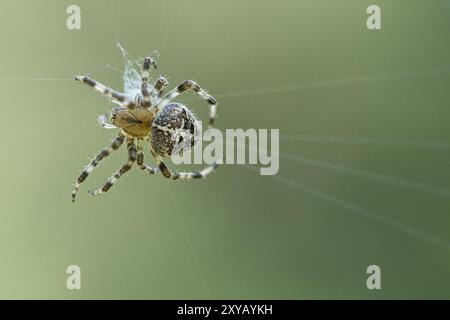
column 365, row 142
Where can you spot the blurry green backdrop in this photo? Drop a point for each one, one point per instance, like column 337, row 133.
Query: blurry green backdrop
column 365, row 148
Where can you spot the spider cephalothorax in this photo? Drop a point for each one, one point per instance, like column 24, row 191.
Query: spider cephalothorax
column 145, row 114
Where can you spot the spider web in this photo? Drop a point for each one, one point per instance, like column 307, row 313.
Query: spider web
column 131, row 82
column 131, row 73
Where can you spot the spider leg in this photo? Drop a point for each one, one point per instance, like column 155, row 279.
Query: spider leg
column 158, row 88
column 148, row 62
column 189, row 84
column 132, row 155
column 111, row 94
column 174, row 175
column 140, row 159
column 116, row 143
column 104, row 123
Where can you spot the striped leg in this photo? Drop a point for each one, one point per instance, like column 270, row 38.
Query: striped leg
column 186, row 85
column 132, row 155
column 106, row 91
column 159, row 86
column 116, row 143
column 173, row 175
column 148, row 62
column 140, row 159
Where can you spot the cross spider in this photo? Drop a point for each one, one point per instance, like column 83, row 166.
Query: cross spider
column 150, row 116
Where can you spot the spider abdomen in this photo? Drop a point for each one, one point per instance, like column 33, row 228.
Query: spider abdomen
column 173, row 130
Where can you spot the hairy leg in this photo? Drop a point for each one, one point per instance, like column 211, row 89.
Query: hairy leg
column 132, row 155
column 140, row 159
column 116, row 143
column 148, row 62
column 107, row 91
column 183, row 87
column 174, row 175
column 158, row 88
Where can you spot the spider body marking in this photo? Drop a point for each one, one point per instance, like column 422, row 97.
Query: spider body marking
column 168, row 129
column 148, row 116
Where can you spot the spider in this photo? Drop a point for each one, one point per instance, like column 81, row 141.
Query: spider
column 144, row 114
